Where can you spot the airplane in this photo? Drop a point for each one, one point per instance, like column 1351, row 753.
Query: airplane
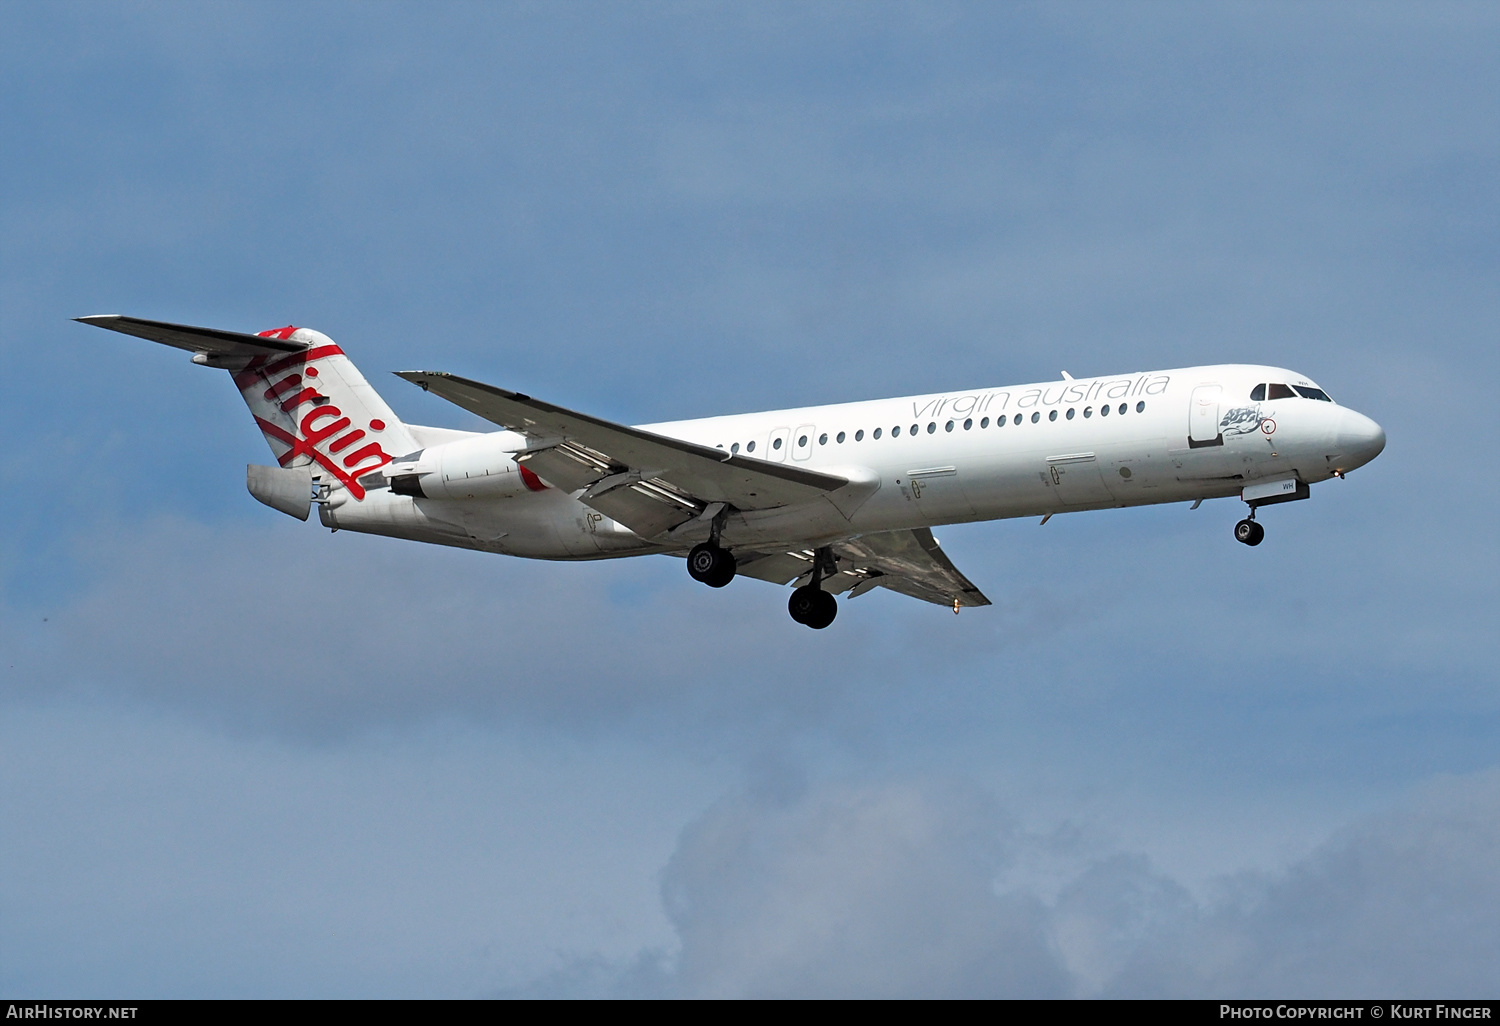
column 834, row 500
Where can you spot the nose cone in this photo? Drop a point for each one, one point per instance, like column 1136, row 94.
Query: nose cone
column 1360, row 440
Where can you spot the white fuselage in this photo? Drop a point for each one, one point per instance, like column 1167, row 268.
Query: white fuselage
column 986, row 454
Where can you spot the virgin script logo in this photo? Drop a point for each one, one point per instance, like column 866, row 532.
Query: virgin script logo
column 322, row 432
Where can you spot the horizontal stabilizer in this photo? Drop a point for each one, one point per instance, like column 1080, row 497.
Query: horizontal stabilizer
column 287, row 489
column 214, row 341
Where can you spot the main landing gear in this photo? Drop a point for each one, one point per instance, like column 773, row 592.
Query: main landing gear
column 1248, row 531
column 715, row 566
column 710, row 562
column 810, row 605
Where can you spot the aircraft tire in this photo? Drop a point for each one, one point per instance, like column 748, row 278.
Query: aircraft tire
column 711, row 565
column 826, row 609
column 813, row 607
column 724, row 572
column 803, row 603
column 1249, row 532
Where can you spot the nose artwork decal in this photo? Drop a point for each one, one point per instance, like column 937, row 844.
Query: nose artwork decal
column 1244, row 420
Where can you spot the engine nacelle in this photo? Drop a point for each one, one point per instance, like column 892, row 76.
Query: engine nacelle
column 481, row 467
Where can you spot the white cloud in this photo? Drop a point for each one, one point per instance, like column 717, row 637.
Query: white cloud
column 874, row 891
column 890, row 890
column 1405, row 903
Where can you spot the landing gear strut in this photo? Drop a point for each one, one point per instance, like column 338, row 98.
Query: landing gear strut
column 810, row 604
column 1248, row 531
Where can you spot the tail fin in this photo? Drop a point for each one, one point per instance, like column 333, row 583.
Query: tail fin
column 314, row 407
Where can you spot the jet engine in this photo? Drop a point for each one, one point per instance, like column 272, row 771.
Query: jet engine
column 482, row 467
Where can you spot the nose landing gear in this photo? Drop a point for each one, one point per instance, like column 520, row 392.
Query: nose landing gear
column 1266, row 493
column 810, row 605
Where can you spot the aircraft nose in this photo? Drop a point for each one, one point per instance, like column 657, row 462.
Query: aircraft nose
column 1360, row 439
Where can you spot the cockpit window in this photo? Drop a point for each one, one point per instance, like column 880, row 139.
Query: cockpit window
column 1258, row 394
column 1308, row 392
column 1280, row 392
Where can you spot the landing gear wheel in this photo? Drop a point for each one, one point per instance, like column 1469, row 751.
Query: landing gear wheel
column 1249, row 532
column 823, row 615
column 801, row 604
column 711, row 565
column 726, row 571
column 812, row 607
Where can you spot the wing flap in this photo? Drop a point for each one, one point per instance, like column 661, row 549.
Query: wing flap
column 214, row 341
column 912, row 589
column 569, row 467
column 776, row 567
column 909, row 562
column 644, row 507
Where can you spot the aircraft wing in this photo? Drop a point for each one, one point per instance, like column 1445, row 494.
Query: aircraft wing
column 648, row 482
column 214, row 341
column 910, row 562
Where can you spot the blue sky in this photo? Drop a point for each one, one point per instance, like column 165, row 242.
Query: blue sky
column 241, row 756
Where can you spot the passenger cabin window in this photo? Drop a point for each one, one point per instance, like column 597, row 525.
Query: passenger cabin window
column 1308, row 392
